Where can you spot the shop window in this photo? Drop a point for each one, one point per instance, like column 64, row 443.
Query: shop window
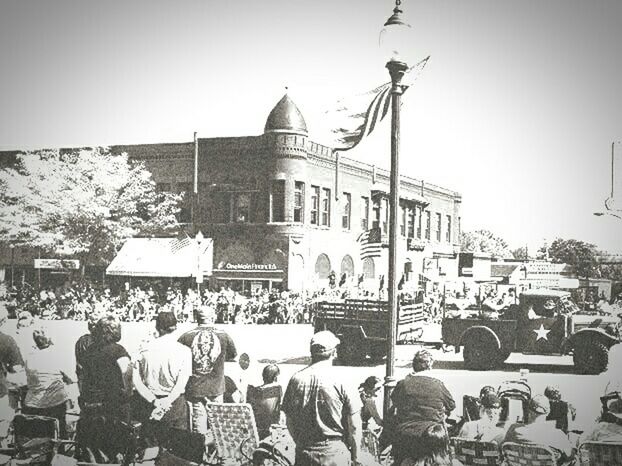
column 428, row 224
column 242, row 207
column 299, row 205
column 448, row 232
column 345, row 215
column 277, row 201
column 411, row 222
column 322, row 267
column 439, row 226
column 369, row 268
column 364, row 213
column 325, row 220
column 315, row 205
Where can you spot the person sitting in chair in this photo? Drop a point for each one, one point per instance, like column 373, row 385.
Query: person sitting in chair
column 609, row 425
column 266, row 400
column 485, row 429
column 539, row 431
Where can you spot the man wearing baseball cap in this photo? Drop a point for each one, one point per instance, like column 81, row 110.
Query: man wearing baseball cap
column 539, row 431
column 322, row 413
column 485, row 428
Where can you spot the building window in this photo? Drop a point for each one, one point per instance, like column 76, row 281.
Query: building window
column 221, row 207
column 364, row 213
column 325, row 220
column 428, row 221
column 403, row 220
column 411, row 222
column 345, row 215
column 458, row 226
column 439, row 226
column 448, row 232
column 376, row 209
column 242, row 207
column 299, row 201
column 385, row 216
column 419, row 220
column 277, row 201
column 315, row 205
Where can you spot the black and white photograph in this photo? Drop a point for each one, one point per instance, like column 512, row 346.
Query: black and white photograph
column 311, row 233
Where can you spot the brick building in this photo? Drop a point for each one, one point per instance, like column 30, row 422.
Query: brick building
column 285, row 212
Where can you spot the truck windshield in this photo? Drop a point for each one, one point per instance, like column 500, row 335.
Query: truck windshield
column 568, row 306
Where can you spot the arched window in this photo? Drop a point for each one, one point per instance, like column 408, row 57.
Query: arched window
column 322, row 267
column 347, row 266
column 369, row 268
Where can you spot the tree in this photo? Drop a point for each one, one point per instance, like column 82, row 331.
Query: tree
column 81, row 204
column 486, row 242
column 578, row 254
column 520, row 253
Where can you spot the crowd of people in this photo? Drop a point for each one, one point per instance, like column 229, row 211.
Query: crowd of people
column 169, row 382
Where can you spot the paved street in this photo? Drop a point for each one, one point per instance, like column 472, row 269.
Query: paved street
column 288, row 344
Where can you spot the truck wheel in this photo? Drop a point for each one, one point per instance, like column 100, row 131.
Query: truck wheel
column 377, row 351
column 503, row 356
column 591, row 357
column 481, row 354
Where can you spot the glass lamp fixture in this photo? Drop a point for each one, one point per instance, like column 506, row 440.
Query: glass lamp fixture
column 396, row 37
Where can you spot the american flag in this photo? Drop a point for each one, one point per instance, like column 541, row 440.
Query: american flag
column 354, row 117
column 179, row 243
column 370, row 243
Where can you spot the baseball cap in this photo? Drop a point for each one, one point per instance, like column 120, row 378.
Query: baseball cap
column 166, row 320
column 490, row 400
column 324, row 341
column 539, row 404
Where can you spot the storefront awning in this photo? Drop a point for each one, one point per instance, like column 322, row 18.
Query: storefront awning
column 163, row 257
column 252, row 275
column 404, row 197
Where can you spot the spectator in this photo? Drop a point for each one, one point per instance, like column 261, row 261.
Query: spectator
column 82, row 344
column 609, row 427
column 106, row 392
column 160, row 377
column 266, row 400
column 333, row 431
column 561, row 411
column 46, row 394
column 438, row 453
column 368, row 391
column 419, row 400
column 11, row 364
column 23, row 333
column 537, row 431
column 210, row 349
column 485, row 429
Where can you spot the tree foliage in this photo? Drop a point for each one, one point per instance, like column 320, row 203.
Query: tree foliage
column 578, row 254
column 486, row 242
column 520, row 253
column 82, row 204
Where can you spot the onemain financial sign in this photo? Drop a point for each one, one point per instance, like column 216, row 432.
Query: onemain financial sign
column 229, row 266
column 57, row 264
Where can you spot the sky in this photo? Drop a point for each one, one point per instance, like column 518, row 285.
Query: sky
column 516, row 109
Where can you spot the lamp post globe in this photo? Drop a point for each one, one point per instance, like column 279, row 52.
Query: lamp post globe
column 396, row 37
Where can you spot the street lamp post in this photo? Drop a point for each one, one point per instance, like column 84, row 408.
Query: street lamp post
column 397, row 67
column 12, row 247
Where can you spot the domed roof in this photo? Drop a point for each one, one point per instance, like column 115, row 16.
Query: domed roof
column 285, row 117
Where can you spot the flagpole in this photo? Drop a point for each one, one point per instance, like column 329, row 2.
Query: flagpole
column 195, row 183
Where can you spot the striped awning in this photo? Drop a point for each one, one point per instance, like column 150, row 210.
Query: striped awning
column 163, row 257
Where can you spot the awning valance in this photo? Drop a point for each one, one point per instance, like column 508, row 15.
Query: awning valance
column 163, row 257
column 404, row 197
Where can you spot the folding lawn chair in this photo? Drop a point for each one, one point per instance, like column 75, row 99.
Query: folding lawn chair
column 517, row 454
column 475, row 452
column 600, row 453
column 234, row 430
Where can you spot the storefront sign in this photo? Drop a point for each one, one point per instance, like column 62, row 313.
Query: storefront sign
column 229, row 266
column 57, row 264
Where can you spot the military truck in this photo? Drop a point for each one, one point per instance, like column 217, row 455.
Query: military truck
column 544, row 322
column 363, row 326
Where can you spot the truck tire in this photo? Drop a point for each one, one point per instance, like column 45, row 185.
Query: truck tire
column 590, row 357
column 481, row 353
column 377, row 351
column 503, row 356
